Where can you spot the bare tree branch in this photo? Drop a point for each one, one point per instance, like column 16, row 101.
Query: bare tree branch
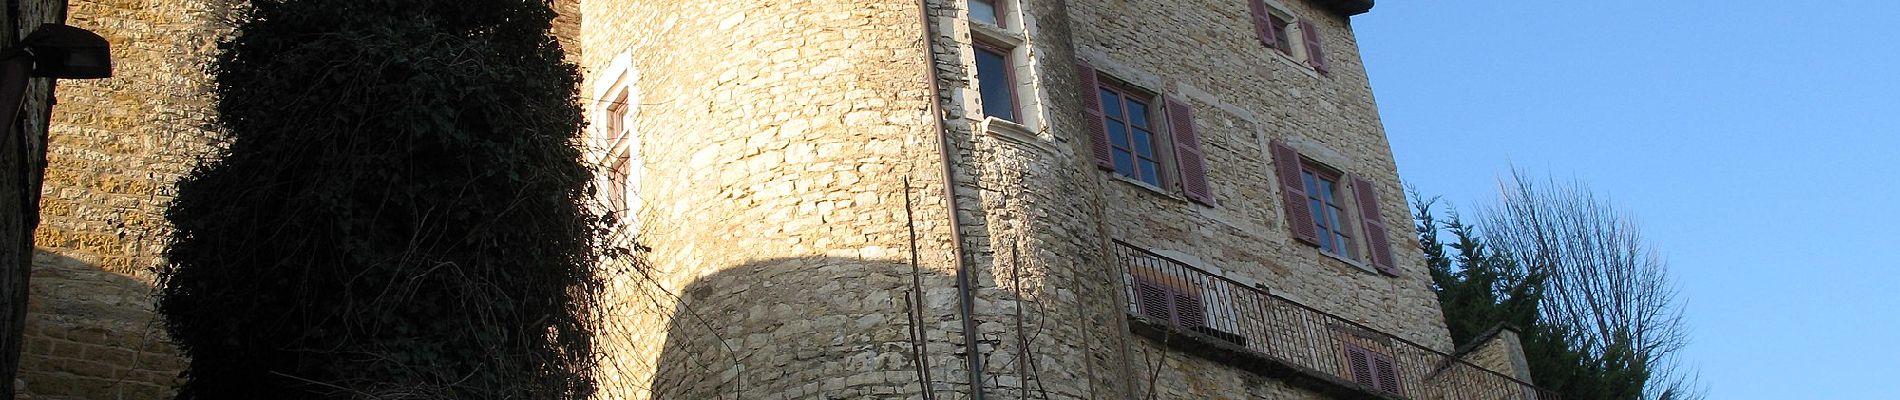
column 1604, row 280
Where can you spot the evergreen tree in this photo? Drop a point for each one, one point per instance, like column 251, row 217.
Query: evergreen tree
column 397, row 209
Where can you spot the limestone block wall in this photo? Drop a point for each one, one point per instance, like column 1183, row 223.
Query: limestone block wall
column 777, row 139
column 1244, row 96
column 115, row 147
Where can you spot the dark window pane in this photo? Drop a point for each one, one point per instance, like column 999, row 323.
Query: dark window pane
column 1111, row 104
column 992, row 76
column 1343, row 247
column 1118, row 136
column 1150, row 172
column 1138, row 114
column 1326, row 190
column 1319, row 213
column 1312, row 188
column 983, row 11
column 1124, row 163
column 1144, row 144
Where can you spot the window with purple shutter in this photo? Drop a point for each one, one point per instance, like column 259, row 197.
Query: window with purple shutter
column 1262, row 25
column 1315, row 53
column 1359, row 365
column 1092, row 114
column 1377, row 241
column 1385, row 372
column 1299, row 215
column 1189, row 159
column 1373, row 369
column 1181, row 307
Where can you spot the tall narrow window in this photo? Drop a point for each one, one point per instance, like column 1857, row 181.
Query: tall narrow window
column 1329, row 217
column 1130, row 134
column 613, row 143
column 1281, row 36
column 619, row 155
column 996, row 81
column 985, row 11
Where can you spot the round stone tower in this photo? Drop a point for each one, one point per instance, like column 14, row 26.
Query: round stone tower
column 783, row 165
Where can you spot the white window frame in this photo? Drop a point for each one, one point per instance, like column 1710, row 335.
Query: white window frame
column 605, row 147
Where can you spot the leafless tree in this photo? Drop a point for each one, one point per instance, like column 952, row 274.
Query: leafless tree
column 1605, row 281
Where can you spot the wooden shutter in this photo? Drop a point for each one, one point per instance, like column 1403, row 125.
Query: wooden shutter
column 1376, row 235
column 1092, row 114
column 1385, row 372
column 1359, row 364
column 1189, row 313
column 1190, row 162
column 1263, row 23
column 1299, row 215
column 1315, row 54
column 1154, row 299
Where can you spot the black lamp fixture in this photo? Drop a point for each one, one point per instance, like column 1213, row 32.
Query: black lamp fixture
column 65, row 52
column 51, row 51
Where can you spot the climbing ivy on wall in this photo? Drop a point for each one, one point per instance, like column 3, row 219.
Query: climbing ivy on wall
column 398, row 209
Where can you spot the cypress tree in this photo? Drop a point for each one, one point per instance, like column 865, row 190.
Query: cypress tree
column 397, row 209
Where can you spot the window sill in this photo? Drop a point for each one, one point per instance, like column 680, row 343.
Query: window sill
column 1296, row 65
column 1362, row 266
column 1012, row 132
column 1145, row 185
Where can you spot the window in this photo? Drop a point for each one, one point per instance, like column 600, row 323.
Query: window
column 996, row 82
column 619, row 161
column 1131, row 135
column 1173, row 302
column 1372, row 369
column 613, row 145
column 1282, row 30
column 985, row 11
column 1329, row 218
column 1277, row 31
column 1129, row 141
column 1316, row 198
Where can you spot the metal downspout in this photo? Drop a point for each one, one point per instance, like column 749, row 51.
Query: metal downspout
column 966, row 298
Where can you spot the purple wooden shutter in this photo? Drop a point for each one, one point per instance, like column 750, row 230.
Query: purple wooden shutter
column 1386, row 373
column 1375, row 226
column 1315, row 54
column 1188, row 311
column 1360, row 363
column 1154, row 299
column 1299, row 215
column 1263, row 23
column 1092, row 114
column 1189, row 160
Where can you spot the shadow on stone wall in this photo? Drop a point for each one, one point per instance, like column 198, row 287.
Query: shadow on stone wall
column 93, row 334
column 814, row 327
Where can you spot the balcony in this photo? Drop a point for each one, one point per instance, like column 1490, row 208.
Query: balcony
column 1219, row 318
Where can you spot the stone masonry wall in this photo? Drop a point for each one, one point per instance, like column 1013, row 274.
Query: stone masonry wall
column 1244, row 96
column 777, row 139
column 115, row 147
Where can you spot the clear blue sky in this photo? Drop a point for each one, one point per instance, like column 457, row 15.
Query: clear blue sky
column 1757, row 141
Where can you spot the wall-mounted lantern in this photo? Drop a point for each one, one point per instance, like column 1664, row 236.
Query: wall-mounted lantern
column 51, row 51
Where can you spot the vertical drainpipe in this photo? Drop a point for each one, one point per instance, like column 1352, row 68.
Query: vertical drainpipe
column 966, row 281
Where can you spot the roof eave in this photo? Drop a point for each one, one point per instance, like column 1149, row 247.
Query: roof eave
column 1349, row 7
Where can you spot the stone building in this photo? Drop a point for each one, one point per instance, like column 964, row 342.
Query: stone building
column 1075, row 199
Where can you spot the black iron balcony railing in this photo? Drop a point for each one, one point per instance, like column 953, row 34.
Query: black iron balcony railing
column 1163, row 291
